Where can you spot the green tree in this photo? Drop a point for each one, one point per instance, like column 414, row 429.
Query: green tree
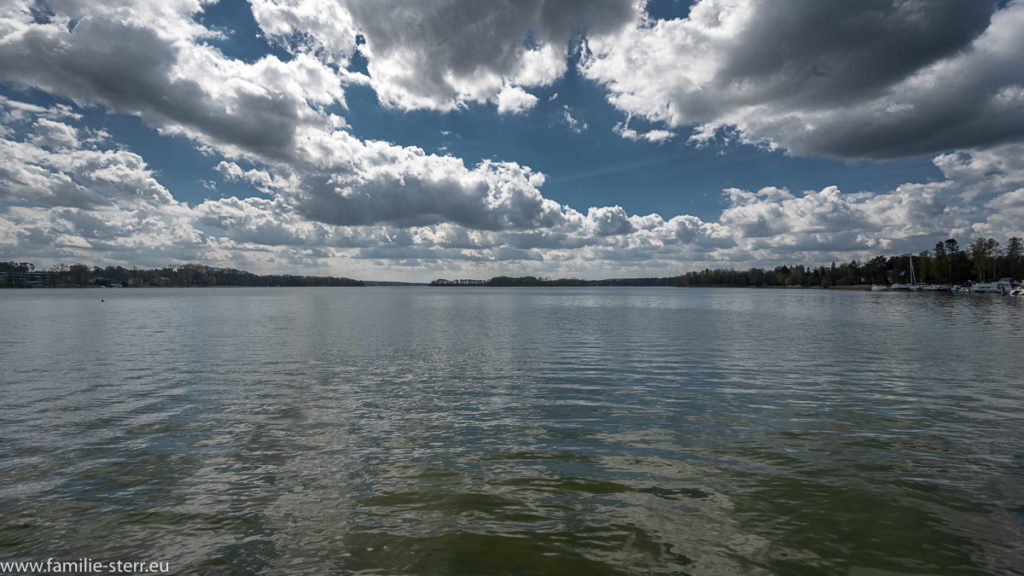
column 79, row 274
column 983, row 255
column 1015, row 255
column 941, row 271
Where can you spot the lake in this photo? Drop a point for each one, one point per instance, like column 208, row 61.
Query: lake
column 417, row 430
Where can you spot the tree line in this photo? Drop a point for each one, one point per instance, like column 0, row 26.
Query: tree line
column 984, row 260
column 541, row 281
column 25, row 275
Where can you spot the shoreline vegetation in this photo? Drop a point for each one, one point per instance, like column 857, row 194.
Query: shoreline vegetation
column 946, row 264
column 25, row 275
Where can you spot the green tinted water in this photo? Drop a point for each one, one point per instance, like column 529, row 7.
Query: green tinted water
column 518, row 431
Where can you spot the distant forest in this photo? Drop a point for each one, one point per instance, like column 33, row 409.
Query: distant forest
column 983, row 260
column 25, row 275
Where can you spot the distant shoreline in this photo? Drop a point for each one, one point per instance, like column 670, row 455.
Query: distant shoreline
column 25, row 275
column 372, row 284
column 620, row 282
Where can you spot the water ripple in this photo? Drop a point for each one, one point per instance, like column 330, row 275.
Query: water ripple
column 547, row 431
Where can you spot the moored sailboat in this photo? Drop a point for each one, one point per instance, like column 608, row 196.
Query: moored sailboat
column 912, row 287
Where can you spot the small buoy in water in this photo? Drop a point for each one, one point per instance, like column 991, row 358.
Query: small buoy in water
column 102, row 300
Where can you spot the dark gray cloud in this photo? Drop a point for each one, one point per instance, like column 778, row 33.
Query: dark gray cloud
column 876, row 79
column 938, row 122
column 468, row 36
column 818, row 52
column 432, row 53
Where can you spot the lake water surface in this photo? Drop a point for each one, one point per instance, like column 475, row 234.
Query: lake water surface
column 514, row 431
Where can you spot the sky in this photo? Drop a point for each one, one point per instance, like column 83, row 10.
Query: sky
column 407, row 141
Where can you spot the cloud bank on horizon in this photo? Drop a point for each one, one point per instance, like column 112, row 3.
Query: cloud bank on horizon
column 869, row 82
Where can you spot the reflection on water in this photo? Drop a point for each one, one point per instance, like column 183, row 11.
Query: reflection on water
column 514, row 431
